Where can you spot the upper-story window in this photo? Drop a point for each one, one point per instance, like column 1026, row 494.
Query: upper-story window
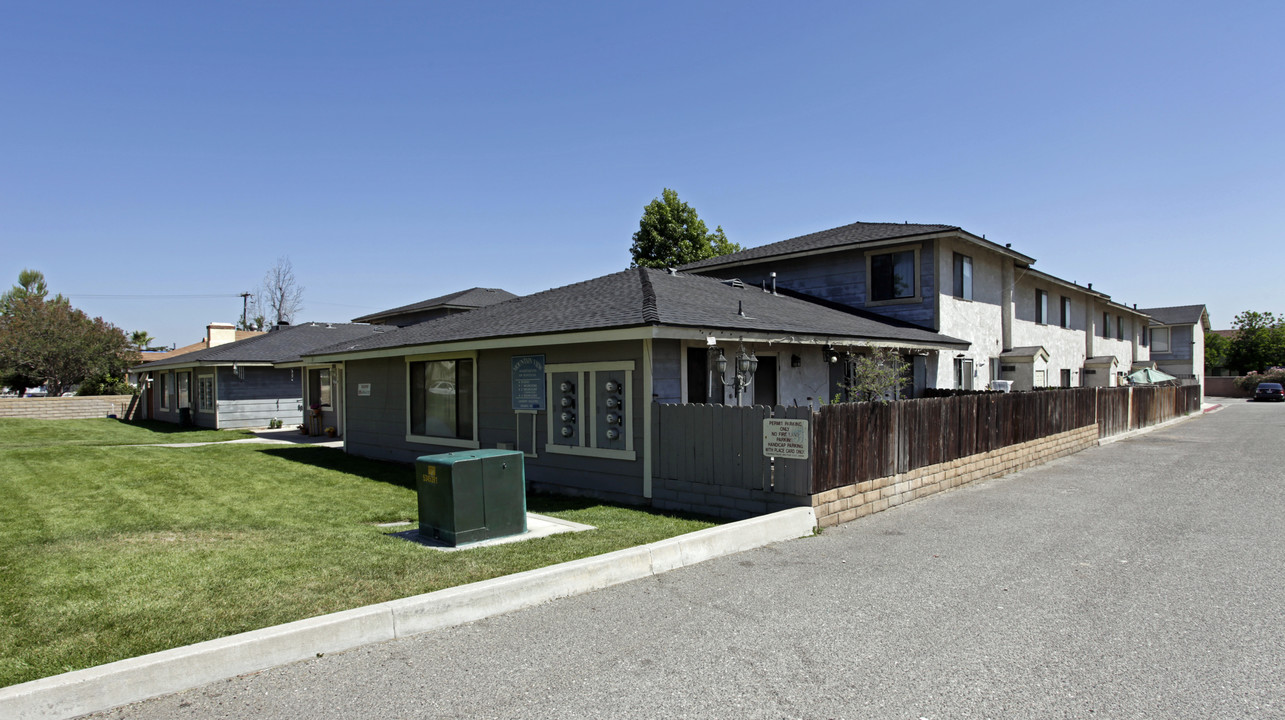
column 963, row 277
column 1119, row 327
column 892, row 276
column 1066, row 311
column 1106, row 325
column 1041, row 307
column 1160, row 340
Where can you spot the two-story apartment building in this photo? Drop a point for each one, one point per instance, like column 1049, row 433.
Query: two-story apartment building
column 1024, row 326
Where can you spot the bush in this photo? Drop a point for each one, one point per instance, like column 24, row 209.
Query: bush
column 106, row 385
column 1249, row 382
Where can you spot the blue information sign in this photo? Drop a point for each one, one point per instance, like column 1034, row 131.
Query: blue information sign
column 528, row 382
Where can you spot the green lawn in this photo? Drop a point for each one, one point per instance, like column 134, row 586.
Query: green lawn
column 109, row 552
column 104, row 431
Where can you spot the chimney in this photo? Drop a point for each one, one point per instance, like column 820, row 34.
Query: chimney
column 217, row 333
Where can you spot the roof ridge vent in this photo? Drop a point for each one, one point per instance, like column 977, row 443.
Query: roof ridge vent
column 734, row 282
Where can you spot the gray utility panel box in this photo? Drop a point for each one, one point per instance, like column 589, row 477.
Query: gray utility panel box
column 470, row 496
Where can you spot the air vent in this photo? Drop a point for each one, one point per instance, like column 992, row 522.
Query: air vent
column 734, row 282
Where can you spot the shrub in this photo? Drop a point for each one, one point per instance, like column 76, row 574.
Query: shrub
column 106, row 385
column 1249, row 382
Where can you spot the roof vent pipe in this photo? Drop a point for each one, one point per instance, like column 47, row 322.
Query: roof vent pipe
column 740, row 308
column 773, row 283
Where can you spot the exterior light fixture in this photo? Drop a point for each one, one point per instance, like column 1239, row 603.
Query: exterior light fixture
column 746, row 365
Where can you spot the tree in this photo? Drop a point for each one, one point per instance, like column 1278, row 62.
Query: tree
column 280, row 295
column 58, row 345
column 31, row 283
column 670, row 234
column 877, row 376
column 1217, row 348
column 1259, row 342
column 141, row 340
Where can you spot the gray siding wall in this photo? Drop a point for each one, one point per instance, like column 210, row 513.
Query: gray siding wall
column 377, row 423
column 265, row 393
column 841, row 277
column 667, row 368
column 1180, row 345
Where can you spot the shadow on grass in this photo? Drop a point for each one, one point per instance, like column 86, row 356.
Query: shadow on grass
column 163, row 428
column 384, row 471
column 403, row 475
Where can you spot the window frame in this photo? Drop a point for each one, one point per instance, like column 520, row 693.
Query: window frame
column 1106, row 325
column 1041, row 307
column 1168, row 343
column 164, row 389
column 183, row 389
column 916, row 287
column 205, row 405
column 470, row 443
column 962, row 287
column 1066, row 312
column 1119, row 327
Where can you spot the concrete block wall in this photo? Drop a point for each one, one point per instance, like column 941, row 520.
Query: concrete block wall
column 720, row 501
column 65, row 408
column 847, row 503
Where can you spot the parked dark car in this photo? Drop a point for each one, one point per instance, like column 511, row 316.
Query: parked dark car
column 1269, row 391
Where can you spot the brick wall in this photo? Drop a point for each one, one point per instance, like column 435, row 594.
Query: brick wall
column 65, row 408
column 849, row 502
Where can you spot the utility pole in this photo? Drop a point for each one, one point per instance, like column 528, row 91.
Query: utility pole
column 245, row 305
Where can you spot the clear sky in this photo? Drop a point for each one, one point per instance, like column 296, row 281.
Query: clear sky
column 396, row 151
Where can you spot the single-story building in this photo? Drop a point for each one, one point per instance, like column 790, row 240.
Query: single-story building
column 568, row 376
column 246, row 383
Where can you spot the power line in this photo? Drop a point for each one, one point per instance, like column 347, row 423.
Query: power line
column 152, row 297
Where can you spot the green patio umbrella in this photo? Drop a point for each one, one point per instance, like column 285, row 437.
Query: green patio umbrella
column 1149, row 376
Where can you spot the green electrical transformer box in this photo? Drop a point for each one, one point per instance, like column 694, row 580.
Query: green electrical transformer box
column 470, row 496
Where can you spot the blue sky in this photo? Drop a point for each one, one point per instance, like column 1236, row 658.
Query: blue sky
column 398, row 151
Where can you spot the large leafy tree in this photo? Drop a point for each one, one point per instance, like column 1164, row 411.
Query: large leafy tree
column 51, row 342
column 1216, row 349
column 670, row 234
column 1259, row 343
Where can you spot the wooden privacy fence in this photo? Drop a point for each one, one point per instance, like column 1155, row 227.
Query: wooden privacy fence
column 723, row 445
column 855, row 442
column 698, row 447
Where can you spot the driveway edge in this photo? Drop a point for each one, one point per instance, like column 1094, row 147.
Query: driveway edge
column 126, row 681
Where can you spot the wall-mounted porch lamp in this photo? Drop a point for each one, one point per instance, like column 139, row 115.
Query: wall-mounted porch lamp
column 746, row 364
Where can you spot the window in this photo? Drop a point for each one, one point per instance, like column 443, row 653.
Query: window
column 205, row 393
column 442, row 407
column 1041, row 307
column 963, row 277
column 1106, row 325
column 591, row 409
column 163, row 389
column 319, row 387
column 1160, row 340
column 1066, row 312
column 1066, row 378
column 892, row 276
column 184, row 379
column 963, row 374
column 1119, row 328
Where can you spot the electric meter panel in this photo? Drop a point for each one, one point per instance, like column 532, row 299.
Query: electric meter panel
column 566, row 408
column 610, row 404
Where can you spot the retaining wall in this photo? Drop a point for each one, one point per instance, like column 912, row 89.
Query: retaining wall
column 849, row 502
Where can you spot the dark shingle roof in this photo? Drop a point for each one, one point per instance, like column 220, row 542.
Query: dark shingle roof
column 471, row 298
column 859, row 232
column 1180, row 315
column 284, row 345
column 644, row 297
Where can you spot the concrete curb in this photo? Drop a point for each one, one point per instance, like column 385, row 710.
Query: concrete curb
column 106, row 686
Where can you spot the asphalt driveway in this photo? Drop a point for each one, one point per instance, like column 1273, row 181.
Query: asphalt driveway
column 1145, row 578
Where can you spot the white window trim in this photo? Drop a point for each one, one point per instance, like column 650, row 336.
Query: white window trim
column 587, row 377
column 200, row 407
column 466, row 443
column 164, row 380
column 919, row 285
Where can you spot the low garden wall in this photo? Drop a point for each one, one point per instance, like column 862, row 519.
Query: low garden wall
column 65, row 408
column 849, row 502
